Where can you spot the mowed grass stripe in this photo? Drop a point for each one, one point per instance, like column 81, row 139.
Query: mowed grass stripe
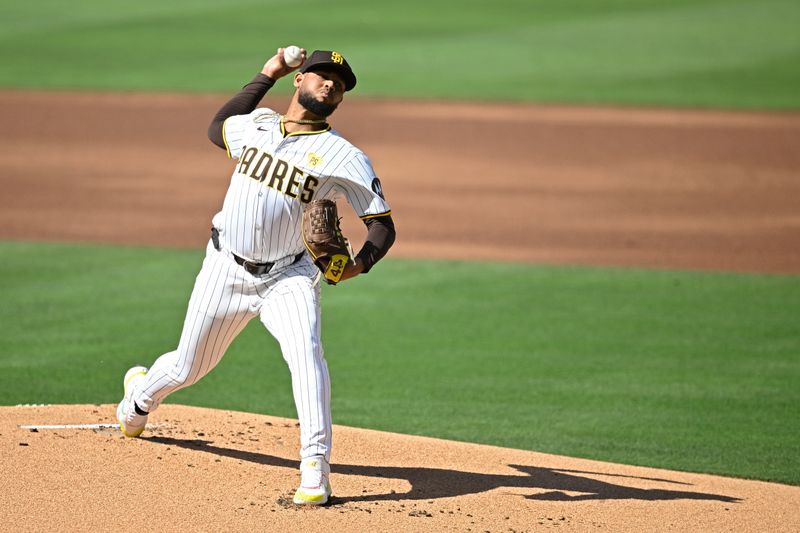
column 691, row 371
column 685, row 52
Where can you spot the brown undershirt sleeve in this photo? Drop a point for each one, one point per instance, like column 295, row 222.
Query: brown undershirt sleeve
column 380, row 237
column 244, row 102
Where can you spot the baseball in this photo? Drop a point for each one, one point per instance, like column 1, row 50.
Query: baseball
column 292, row 56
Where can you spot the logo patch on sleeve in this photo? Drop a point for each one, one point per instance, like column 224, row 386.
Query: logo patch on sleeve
column 377, row 189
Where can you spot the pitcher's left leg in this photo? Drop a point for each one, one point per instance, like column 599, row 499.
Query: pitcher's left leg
column 291, row 313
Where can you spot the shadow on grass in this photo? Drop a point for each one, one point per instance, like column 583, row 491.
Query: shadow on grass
column 432, row 483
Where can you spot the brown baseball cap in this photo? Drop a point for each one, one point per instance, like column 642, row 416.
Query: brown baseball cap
column 331, row 60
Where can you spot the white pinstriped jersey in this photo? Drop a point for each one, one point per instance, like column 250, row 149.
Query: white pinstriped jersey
column 276, row 176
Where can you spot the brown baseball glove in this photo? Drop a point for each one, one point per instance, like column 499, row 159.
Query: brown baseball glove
column 323, row 238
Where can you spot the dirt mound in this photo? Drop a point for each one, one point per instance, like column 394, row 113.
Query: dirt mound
column 213, row 470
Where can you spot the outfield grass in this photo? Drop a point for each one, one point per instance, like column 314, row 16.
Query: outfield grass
column 715, row 53
column 690, row 371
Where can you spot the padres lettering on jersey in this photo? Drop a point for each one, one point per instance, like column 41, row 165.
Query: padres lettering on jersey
column 277, row 174
column 283, row 176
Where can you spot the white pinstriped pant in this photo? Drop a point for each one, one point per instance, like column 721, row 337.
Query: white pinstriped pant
column 225, row 298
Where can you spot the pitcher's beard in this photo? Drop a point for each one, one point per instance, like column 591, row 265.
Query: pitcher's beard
column 321, row 109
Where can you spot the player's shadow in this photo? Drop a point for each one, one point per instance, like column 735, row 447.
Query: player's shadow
column 432, row 483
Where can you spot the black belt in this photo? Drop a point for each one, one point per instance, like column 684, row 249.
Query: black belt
column 259, row 269
column 256, row 269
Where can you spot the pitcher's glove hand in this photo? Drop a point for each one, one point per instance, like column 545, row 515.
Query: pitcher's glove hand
column 323, row 238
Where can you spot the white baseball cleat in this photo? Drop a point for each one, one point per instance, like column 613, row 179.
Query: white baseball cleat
column 315, row 488
column 130, row 422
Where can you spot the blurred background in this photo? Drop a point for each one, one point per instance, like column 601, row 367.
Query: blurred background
column 720, row 53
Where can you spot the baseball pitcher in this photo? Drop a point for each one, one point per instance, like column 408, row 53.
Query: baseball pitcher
column 275, row 239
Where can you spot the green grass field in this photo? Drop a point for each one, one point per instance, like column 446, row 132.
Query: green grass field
column 712, row 53
column 690, row 371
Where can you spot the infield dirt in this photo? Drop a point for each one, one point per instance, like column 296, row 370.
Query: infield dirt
column 212, row 470
column 645, row 188
column 629, row 187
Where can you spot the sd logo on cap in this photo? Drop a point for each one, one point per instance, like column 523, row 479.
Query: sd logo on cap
column 331, row 60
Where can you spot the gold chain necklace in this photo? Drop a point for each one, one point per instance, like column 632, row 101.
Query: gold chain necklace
column 284, row 120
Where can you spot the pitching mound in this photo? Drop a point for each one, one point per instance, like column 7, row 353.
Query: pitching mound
column 213, row 470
